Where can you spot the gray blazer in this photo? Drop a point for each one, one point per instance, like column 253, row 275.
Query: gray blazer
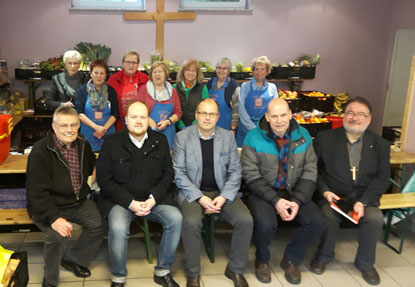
column 188, row 166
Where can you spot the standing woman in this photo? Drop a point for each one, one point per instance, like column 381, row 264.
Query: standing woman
column 162, row 102
column 97, row 106
column 226, row 93
column 127, row 83
column 191, row 91
column 254, row 97
column 66, row 84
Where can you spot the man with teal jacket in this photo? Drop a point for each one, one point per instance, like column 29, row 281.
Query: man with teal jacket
column 280, row 169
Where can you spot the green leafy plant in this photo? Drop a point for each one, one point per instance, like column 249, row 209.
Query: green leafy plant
column 91, row 52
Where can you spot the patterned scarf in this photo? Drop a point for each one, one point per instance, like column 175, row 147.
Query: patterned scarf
column 159, row 96
column 97, row 99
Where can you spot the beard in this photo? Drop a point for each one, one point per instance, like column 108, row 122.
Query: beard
column 355, row 130
column 137, row 132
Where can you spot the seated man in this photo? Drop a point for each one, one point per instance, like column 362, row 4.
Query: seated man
column 208, row 177
column 135, row 173
column 57, row 171
column 353, row 165
column 280, row 168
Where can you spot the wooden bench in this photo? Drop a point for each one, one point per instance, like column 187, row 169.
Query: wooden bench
column 14, row 217
column 398, row 204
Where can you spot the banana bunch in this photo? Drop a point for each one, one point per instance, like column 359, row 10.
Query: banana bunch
column 339, row 100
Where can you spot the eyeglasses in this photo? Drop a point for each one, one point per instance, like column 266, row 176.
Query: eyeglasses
column 130, row 63
column 66, row 126
column 205, row 114
column 191, row 71
column 358, row 115
column 221, row 68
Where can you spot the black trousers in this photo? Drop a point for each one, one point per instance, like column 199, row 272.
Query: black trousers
column 309, row 217
column 370, row 228
column 80, row 251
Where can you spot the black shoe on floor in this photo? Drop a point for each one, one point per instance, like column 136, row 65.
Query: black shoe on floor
column 46, row 284
column 192, row 281
column 238, row 279
column 116, row 284
column 292, row 273
column 76, row 269
column 371, row 276
column 165, row 281
column 317, row 266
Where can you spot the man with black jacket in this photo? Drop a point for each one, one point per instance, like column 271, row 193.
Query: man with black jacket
column 57, row 171
column 353, row 165
column 135, row 174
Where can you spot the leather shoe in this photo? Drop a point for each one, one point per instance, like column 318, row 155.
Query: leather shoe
column 317, row 266
column 238, row 279
column 193, row 281
column 262, row 272
column 165, row 281
column 76, row 269
column 292, row 273
column 46, row 284
column 371, row 276
column 116, row 284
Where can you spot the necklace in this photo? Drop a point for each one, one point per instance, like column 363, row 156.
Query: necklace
column 354, row 168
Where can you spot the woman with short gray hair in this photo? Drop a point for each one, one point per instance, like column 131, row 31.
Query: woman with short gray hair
column 225, row 91
column 65, row 85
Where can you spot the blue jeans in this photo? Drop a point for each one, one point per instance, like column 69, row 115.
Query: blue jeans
column 119, row 220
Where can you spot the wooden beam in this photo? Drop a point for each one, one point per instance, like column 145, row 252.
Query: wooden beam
column 408, row 105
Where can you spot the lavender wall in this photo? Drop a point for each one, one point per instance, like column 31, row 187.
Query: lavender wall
column 354, row 37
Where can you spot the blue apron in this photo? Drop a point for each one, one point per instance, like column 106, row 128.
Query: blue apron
column 256, row 103
column 100, row 118
column 225, row 112
column 161, row 112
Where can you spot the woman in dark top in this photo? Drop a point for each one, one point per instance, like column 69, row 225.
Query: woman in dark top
column 191, row 91
column 66, row 84
column 97, row 106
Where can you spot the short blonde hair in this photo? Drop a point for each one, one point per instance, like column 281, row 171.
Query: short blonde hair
column 263, row 60
column 131, row 53
column 72, row 54
column 186, row 65
column 159, row 64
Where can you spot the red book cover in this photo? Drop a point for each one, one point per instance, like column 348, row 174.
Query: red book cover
column 345, row 209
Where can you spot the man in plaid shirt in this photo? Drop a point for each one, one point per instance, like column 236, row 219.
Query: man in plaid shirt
column 57, row 171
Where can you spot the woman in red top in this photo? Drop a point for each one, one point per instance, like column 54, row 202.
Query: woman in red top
column 162, row 102
column 127, row 83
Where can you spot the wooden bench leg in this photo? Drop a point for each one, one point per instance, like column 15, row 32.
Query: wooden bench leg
column 208, row 236
column 147, row 239
column 401, row 229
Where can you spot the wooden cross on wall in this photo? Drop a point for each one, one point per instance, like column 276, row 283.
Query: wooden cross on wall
column 159, row 16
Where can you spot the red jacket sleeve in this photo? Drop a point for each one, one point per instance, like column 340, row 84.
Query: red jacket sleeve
column 145, row 97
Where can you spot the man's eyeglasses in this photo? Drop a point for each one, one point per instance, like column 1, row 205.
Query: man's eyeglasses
column 358, row 115
column 130, row 63
column 66, row 126
column 205, row 114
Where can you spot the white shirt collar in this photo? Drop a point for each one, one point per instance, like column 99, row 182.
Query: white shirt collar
column 137, row 143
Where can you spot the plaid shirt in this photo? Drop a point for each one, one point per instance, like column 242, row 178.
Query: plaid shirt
column 71, row 157
column 283, row 146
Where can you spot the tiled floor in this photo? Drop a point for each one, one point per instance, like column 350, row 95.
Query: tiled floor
column 394, row 269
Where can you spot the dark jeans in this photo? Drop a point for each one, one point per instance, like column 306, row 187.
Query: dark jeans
column 236, row 214
column 80, row 251
column 370, row 228
column 265, row 224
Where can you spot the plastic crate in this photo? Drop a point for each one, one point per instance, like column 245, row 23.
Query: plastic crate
column 293, row 73
column 314, row 128
column 6, row 126
column 336, row 122
column 295, row 105
column 323, row 104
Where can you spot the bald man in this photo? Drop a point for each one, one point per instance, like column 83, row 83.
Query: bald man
column 280, row 168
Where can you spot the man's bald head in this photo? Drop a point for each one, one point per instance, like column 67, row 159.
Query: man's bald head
column 278, row 116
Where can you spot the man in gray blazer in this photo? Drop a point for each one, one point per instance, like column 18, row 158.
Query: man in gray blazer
column 208, row 176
